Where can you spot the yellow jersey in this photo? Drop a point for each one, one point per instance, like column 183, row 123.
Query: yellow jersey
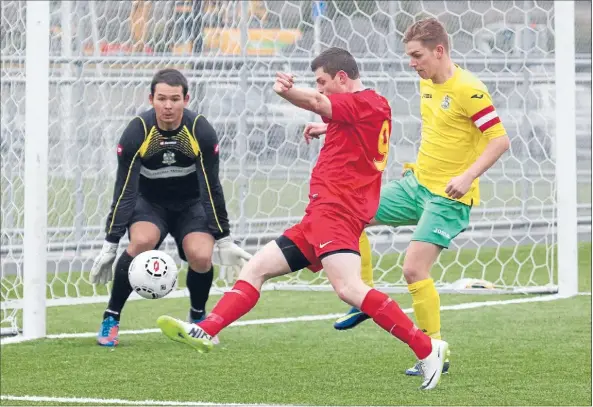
column 458, row 121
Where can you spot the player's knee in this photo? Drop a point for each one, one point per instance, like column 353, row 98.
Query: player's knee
column 196, row 248
column 413, row 273
column 347, row 292
column 198, row 261
column 142, row 243
column 144, row 236
column 343, row 293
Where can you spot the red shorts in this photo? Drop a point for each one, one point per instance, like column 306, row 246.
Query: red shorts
column 322, row 232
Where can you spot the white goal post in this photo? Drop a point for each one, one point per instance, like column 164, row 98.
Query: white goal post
column 36, row 169
column 566, row 168
column 74, row 73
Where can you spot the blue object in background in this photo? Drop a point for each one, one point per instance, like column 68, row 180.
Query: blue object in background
column 319, row 8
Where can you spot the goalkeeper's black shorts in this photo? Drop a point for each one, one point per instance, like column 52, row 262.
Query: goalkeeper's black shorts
column 177, row 218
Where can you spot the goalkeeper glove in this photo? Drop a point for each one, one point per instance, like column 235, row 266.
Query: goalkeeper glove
column 102, row 270
column 227, row 253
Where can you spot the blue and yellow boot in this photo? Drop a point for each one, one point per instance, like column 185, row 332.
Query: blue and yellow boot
column 351, row 319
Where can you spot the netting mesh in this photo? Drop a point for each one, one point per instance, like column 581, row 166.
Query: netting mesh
column 103, row 56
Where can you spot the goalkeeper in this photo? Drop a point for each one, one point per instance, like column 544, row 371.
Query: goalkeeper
column 462, row 136
column 167, row 182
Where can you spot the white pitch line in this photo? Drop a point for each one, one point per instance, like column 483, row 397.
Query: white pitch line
column 305, row 318
column 85, row 400
column 99, row 401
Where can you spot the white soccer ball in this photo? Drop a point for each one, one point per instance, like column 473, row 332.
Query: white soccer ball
column 153, row 274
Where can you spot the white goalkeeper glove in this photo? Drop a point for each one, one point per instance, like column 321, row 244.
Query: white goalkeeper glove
column 227, row 253
column 102, row 270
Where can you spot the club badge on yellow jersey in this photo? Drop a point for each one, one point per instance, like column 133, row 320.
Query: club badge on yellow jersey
column 446, row 102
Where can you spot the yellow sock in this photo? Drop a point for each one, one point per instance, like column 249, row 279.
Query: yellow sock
column 427, row 307
column 366, row 260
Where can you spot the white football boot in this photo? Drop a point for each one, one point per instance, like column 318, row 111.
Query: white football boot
column 432, row 366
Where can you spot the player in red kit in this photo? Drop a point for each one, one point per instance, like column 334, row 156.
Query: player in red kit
column 343, row 198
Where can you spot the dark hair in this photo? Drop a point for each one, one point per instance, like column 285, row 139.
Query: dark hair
column 333, row 60
column 430, row 32
column 171, row 77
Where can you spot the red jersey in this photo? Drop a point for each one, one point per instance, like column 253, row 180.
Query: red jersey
column 347, row 176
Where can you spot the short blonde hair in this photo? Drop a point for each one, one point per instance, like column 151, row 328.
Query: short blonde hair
column 430, row 32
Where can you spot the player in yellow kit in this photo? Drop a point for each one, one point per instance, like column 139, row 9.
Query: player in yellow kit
column 462, row 137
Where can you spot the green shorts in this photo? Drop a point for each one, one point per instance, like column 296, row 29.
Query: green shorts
column 405, row 202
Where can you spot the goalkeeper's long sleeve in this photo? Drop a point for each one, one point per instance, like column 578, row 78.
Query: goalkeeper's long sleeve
column 211, row 193
column 127, row 179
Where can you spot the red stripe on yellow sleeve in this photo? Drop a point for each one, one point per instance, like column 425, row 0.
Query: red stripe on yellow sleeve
column 483, row 112
column 489, row 124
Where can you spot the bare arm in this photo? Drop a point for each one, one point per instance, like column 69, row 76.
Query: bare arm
column 308, row 99
column 493, row 151
column 495, row 148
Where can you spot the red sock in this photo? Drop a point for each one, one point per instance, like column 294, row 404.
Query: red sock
column 232, row 306
column 389, row 316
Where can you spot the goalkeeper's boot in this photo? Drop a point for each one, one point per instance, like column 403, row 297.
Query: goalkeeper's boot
column 431, row 367
column 215, row 340
column 184, row 332
column 109, row 332
column 415, row 371
column 202, row 316
column 351, row 319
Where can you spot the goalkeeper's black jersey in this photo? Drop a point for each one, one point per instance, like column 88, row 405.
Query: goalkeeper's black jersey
column 167, row 167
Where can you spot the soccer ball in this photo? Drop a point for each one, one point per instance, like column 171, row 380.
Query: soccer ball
column 153, row 274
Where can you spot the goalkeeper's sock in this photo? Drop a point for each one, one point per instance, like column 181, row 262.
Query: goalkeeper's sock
column 366, row 260
column 388, row 315
column 199, row 285
column 427, row 307
column 121, row 289
column 232, row 306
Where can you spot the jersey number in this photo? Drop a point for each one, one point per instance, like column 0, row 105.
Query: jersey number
column 383, row 146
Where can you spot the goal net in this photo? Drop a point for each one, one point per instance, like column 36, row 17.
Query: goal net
column 102, row 58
